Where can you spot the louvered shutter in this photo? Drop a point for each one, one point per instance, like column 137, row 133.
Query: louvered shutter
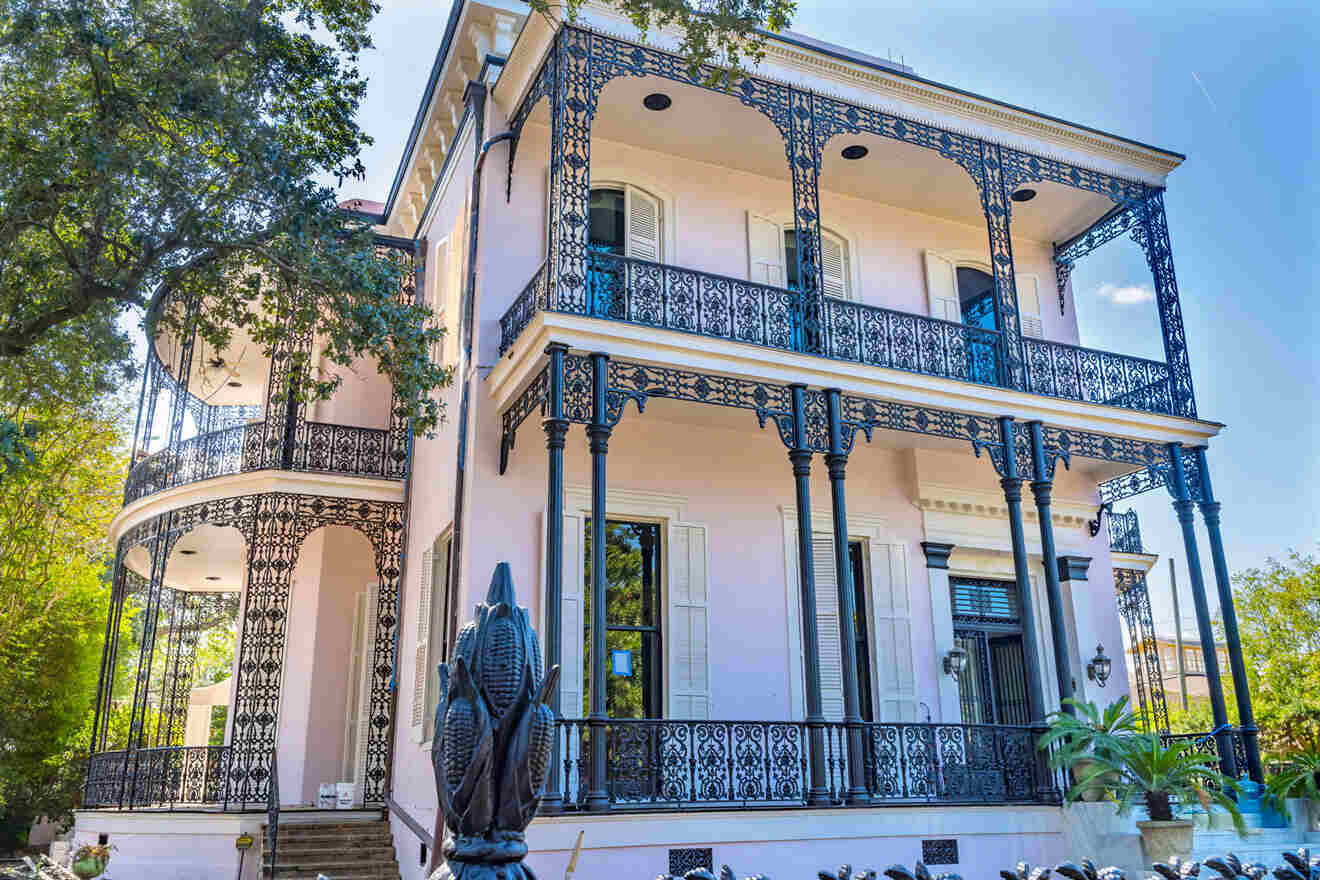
column 421, row 656
column 827, row 626
column 573, row 626
column 643, row 217
column 834, row 265
column 765, row 251
column 1028, row 291
column 364, row 691
column 349, row 771
column 891, row 614
column 942, row 287
column 689, row 623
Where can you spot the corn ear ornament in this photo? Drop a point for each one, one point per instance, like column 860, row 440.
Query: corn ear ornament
column 494, row 734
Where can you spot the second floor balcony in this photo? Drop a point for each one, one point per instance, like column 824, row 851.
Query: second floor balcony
column 883, row 240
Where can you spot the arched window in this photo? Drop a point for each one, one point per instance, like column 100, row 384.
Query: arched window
column 772, row 257
column 625, row 221
column 961, row 289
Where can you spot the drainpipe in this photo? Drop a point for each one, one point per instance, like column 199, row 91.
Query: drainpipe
column 476, row 98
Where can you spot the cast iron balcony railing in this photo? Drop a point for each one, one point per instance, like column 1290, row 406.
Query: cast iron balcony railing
column 1208, row 745
column 1125, row 533
column 662, row 764
column 168, row 777
column 656, row 295
column 337, row 449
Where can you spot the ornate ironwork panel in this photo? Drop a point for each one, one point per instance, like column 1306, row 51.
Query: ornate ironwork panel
column 675, row 764
column 1021, row 167
column 1056, row 369
column 995, row 203
column 1125, row 532
column 532, row 300
column 804, row 162
column 1153, row 476
column 1123, row 219
column 1159, row 254
column 1134, row 607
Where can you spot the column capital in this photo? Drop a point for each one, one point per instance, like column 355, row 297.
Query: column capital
column 801, row 459
column 1074, row 568
column 556, row 432
column 937, row 554
column 837, row 464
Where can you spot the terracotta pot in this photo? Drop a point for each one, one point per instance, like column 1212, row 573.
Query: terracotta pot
column 1096, row 790
column 1165, row 841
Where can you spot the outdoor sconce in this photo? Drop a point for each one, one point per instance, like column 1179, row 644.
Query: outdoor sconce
column 1098, row 669
column 955, row 661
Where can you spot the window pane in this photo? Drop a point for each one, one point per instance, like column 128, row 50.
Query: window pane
column 632, row 568
column 606, row 232
column 790, row 258
column 976, row 294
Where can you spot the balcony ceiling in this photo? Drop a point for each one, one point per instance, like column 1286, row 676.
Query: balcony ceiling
column 204, row 553
column 214, row 373
column 719, row 130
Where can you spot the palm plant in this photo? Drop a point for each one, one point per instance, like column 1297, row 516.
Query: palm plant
column 1298, row 776
column 1086, row 731
column 1165, row 778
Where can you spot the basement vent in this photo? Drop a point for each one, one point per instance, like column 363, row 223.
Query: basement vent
column 683, row 860
column 939, row 852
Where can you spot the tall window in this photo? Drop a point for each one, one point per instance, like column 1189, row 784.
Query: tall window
column 833, row 262
column 437, row 614
column 633, row 613
column 988, row 626
column 976, row 297
column 862, row 632
column 623, row 221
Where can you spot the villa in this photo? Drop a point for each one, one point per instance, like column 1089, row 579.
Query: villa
column 770, row 392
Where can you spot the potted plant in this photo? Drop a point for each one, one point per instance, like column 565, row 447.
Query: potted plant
column 1073, row 739
column 1297, row 779
column 1167, row 779
column 89, row 861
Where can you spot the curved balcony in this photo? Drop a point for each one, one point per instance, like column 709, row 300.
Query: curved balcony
column 655, row 295
column 348, row 450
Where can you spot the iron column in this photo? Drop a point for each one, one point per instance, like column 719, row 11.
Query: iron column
column 837, row 462
column 1043, row 468
column 1241, row 689
column 556, row 432
column 598, row 431
column 1011, row 482
column 1182, row 505
column 800, row 456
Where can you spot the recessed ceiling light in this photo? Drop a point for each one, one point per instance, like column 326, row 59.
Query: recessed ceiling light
column 657, row 101
column 856, row 151
column 234, row 384
column 188, row 552
column 1024, row 195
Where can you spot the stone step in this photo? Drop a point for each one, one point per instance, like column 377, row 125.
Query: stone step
column 303, row 850
column 354, row 874
column 333, row 866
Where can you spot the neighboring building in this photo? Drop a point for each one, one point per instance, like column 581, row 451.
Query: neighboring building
column 834, row 274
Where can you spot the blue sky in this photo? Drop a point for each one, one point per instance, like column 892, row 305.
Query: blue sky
column 1232, row 87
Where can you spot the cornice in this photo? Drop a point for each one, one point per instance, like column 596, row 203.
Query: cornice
column 918, row 100
column 961, row 501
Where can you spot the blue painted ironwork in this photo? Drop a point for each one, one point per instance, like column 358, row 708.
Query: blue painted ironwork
column 652, row 294
column 274, row 526
column 1154, row 475
column 1134, row 607
column 581, row 62
column 1125, row 532
column 684, row 765
column 1159, row 254
column 1120, row 220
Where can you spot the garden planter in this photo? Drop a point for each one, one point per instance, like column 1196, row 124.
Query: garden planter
column 89, row 867
column 1096, row 790
column 1165, row 841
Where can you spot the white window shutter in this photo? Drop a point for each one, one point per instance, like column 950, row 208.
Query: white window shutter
column 827, row 626
column 364, row 691
column 891, row 638
column 643, row 217
column 765, row 251
column 834, row 265
column 421, row 658
column 689, row 623
column 1028, row 292
column 573, row 626
column 942, row 287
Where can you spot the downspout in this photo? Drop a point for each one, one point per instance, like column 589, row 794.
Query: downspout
column 476, row 97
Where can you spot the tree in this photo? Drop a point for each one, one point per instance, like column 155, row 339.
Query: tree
column 54, row 513
column 1278, row 608
column 169, row 151
column 161, row 152
column 729, row 33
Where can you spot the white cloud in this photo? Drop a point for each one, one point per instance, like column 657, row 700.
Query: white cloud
column 1126, row 294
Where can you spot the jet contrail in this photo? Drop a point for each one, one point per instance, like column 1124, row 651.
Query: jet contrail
column 1209, row 99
